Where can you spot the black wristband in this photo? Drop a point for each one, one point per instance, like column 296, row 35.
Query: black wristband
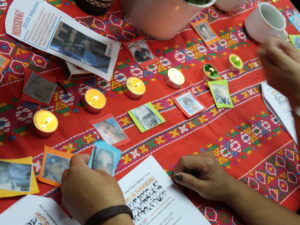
column 89, row 8
column 107, row 213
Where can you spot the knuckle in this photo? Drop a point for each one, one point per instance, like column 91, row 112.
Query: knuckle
column 211, row 160
column 182, row 160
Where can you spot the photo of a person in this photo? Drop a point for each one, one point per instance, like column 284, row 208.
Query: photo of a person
column 140, row 51
column 110, row 131
column 54, row 167
column 297, row 42
column 103, row 160
column 147, row 118
column 15, row 177
column 77, row 45
column 189, row 104
column 220, row 93
column 39, row 88
column 296, row 21
column 205, row 32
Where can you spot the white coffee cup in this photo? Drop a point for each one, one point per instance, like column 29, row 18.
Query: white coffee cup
column 229, row 5
column 264, row 22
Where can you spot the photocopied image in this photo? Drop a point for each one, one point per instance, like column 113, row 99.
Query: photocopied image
column 104, row 157
column 220, row 92
column 188, row 104
column 77, row 45
column 15, row 176
column 205, row 31
column 53, row 165
column 110, row 130
column 295, row 20
column 141, row 52
column 295, row 39
column 103, row 160
column 39, row 88
column 146, row 117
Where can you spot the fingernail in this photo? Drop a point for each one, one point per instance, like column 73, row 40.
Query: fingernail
column 178, row 177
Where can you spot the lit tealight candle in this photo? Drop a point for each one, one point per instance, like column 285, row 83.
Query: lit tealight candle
column 45, row 122
column 135, row 88
column 175, row 79
column 94, row 100
column 236, row 63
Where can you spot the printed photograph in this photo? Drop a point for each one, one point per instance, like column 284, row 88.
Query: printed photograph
column 103, row 159
column 205, row 31
column 141, row 52
column 295, row 40
column 188, row 104
column 15, row 177
column 77, row 45
column 110, row 131
column 295, row 20
column 39, row 88
column 220, row 93
column 54, row 167
column 146, row 117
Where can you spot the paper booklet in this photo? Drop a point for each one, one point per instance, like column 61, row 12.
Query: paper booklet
column 35, row 210
column 281, row 107
column 41, row 25
column 155, row 199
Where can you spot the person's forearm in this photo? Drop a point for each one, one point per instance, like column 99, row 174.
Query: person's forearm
column 121, row 219
column 255, row 209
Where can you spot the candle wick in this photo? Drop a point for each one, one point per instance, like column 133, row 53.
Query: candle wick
column 95, row 98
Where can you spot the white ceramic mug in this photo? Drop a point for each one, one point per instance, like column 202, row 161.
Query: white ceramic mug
column 264, row 22
column 229, row 5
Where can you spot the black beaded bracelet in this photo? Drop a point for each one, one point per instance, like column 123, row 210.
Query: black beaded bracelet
column 107, row 213
column 94, row 7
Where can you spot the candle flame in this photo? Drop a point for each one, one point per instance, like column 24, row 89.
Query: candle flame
column 95, row 98
column 48, row 120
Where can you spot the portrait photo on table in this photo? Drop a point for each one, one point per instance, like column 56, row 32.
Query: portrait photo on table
column 78, row 46
column 141, row 52
column 205, row 31
column 39, row 88
column 146, row 117
column 295, row 39
column 220, row 92
column 110, row 130
column 103, row 159
column 188, row 104
column 15, row 176
column 54, row 167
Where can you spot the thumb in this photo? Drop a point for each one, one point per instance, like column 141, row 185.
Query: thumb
column 189, row 181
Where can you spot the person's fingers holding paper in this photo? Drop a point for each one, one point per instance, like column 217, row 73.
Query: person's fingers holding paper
column 86, row 191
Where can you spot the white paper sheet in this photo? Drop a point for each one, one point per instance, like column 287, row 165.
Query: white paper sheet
column 155, row 199
column 281, row 107
column 41, row 25
column 35, row 210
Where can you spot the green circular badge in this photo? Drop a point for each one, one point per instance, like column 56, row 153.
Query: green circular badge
column 211, row 71
column 236, row 61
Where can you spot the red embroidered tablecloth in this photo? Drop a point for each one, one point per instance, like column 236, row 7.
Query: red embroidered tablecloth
column 248, row 140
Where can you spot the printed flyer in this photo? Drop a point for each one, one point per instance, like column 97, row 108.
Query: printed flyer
column 41, row 25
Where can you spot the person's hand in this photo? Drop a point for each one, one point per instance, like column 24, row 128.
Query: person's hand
column 281, row 62
column 203, row 174
column 86, row 191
